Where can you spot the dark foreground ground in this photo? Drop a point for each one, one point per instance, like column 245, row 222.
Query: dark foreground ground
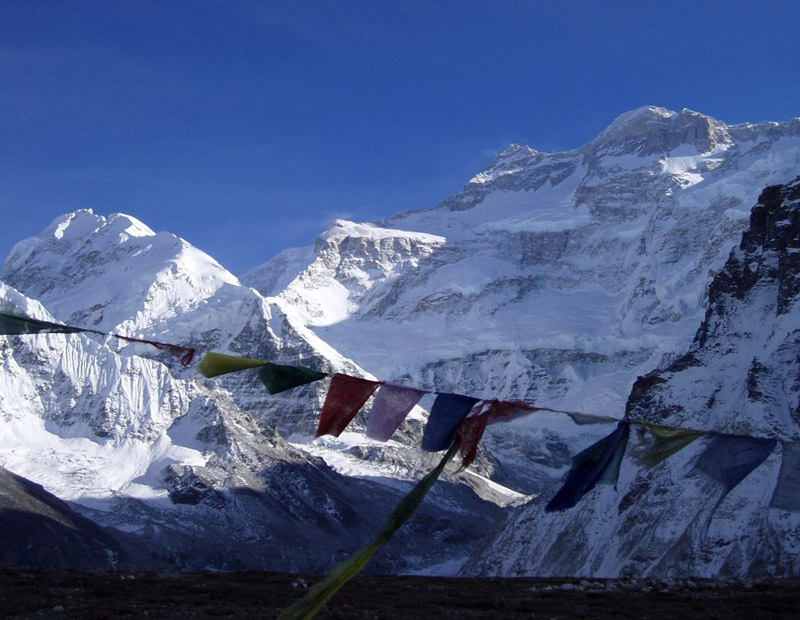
column 64, row 595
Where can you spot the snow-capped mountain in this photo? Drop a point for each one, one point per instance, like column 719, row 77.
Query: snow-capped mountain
column 553, row 278
column 740, row 375
column 115, row 274
column 139, row 444
column 548, row 273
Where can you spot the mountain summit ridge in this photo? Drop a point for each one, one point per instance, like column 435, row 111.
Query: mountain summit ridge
column 626, row 241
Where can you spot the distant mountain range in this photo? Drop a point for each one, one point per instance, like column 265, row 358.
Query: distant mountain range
column 558, row 279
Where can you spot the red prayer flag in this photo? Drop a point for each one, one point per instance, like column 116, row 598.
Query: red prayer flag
column 468, row 436
column 508, row 410
column 187, row 353
column 346, row 396
column 470, row 431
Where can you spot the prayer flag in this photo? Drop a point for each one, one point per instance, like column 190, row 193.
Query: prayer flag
column 16, row 325
column 322, row 592
column 392, row 404
column 215, row 364
column 610, row 473
column 446, row 414
column 787, row 489
column 186, row 353
column 600, row 462
column 470, row 431
column 666, row 441
column 468, row 436
column 730, row 458
column 506, row 410
column 279, row 378
column 346, row 396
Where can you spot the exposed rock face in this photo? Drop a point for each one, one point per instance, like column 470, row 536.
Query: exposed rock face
column 739, row 376
column 741, row 372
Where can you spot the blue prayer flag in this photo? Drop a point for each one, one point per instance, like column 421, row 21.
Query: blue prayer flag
column 730, row 458
column 446, row 414
column 600, row 462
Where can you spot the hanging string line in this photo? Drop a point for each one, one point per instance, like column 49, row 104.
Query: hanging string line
column 16, row 325
column 461, row 423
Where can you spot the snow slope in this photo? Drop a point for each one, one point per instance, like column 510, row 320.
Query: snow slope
column 740, row 375
column 594, row 257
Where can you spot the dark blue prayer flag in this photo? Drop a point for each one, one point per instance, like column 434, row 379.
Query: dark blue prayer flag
column 600, row 462
column 730, row 458
column 787, row 490
column 446, row 414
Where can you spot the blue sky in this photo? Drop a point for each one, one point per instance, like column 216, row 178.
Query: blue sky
column 246, row 127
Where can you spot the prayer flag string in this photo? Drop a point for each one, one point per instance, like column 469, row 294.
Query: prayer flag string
column 457, row 423
column 17, row 324
column 452, row 415
column 319, row 594
column 465, row 418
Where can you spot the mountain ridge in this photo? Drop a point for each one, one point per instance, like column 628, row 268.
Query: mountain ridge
column 553, row 278
column 672, row 519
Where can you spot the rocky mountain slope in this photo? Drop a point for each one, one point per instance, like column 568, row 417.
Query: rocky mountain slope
column 740, row 375
column 552, row 278
column 38, row 529
column 140, row 444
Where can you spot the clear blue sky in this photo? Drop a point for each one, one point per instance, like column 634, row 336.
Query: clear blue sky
column 247, row 126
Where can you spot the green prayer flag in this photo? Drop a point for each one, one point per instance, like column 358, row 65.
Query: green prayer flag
column 215, row 364
column 322, row 592
column 17, row 324
column 278, row 378
column 611, row 473
column 667, row 440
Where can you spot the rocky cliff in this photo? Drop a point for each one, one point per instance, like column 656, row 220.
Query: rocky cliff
column 740, row 376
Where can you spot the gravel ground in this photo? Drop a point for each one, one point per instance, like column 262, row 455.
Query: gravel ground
column 66, row 595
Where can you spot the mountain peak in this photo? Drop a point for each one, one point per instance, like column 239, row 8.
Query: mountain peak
column 517, row 150
column 640, row 116
column 651, row 130
column 83, row 222
column 81, row 265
